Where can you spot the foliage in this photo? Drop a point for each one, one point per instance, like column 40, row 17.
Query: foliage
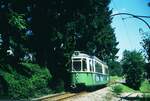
column 13, row 25
column 17, row 20
column 120, row 88
column 147, row 71
column 68, row 26
column 146, row 44
column 145, row 87
column 117, row 89
column 133, row 65
column 21, row 85
column 57, row 28
column 115, row 68
column 114, row 80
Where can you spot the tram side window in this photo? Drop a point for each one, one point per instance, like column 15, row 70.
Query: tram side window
column 106, row 71
column 90, row 65
column 84, row 65
column 77, row 65
column 98, row 67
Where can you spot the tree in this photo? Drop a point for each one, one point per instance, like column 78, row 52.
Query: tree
column 147, row 71
column 133, row 65
column 94, row 34
column 146, row 45
column 115, row 68
column 58, row 27
column 13, row 26
column 66, row 26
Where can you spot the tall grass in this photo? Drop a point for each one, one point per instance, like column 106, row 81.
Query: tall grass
column 145, row 87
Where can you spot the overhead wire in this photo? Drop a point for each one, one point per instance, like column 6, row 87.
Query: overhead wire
column 125, row 26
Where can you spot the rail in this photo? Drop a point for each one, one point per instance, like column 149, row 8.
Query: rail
column 59, row 97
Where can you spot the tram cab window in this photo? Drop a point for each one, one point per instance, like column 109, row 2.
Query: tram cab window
column 76, row 65
column 84, row 65
column 79, row 64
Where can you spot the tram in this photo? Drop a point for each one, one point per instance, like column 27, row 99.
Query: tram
column 88, row 71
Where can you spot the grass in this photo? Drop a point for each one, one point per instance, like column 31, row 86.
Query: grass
column 120, row 88
column 145, row 87
column 126, row 88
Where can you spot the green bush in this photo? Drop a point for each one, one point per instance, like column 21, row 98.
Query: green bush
column 145, row 87
column 117, row 89
column 133, row 66
column 22, row 86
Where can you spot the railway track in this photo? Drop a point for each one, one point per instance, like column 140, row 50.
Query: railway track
column 63, row 96
column 59, row 97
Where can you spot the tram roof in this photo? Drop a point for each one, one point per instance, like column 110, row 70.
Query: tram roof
column 78, row 54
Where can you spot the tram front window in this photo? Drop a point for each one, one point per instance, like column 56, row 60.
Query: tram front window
column 76, row 65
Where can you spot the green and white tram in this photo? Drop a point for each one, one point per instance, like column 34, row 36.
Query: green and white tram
column 88, row 71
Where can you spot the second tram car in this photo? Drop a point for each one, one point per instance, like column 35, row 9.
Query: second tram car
column 88, row 71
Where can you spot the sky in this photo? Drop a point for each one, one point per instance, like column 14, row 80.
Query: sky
column 126, row 27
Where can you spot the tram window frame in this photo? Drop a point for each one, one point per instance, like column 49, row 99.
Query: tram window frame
column 75, row 60
column 84, row 64
column 91, row 68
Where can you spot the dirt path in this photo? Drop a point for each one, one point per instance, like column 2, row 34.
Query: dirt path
column 104, row 94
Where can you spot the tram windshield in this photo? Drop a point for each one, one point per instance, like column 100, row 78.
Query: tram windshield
column 79, row 64
column 76, row 65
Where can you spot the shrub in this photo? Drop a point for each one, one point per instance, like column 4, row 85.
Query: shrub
column 117, row 89
column 133, row 66
column 22, row 86
column 145, row 87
